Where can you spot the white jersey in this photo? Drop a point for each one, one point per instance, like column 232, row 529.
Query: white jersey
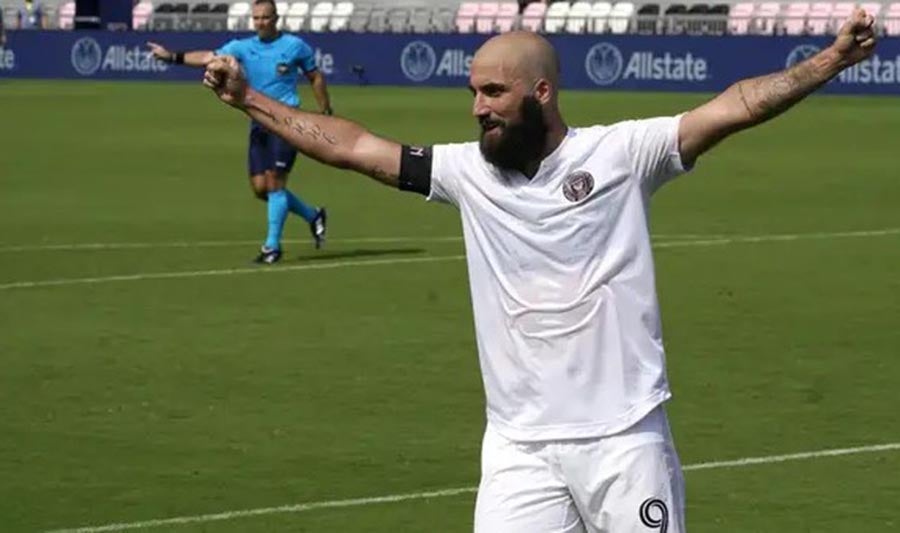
column 561, row 275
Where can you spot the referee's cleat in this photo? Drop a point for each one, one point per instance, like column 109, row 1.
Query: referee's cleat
column 268, row 256
column 318, row 227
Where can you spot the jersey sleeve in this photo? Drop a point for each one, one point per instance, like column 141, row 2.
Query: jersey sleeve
column 446, row 170
column 231, row 48
column 305, row 58
column 653, row 149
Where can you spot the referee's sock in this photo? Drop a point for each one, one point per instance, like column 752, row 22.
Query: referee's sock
column 299, row 207
column 278, row 211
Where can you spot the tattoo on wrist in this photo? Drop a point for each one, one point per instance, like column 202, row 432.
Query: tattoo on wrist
column 380, row 174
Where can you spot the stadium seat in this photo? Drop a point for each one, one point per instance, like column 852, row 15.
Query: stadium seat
column 218, row 16
column 320, row 15
column 295, row 19
column 377, row 20
column 675, row 18
column 340, row 18
column 577, row 20
column 420, row 20
column 766, row 18
column 740, row 17
column 398, row 20
column 533, row 16
column 839, row 13
column 555, row 19
column 717, row 24
column 819, row 19
column 597, row 20
column 465, row 17
column 647, row 19
column 199, row 18
column 282, row 8
column 358, row 21
column 66, row 20
column 620, row 17
column 892, row 20
column 163, row 18
column 485, row 17
column 140, row 15
column 443, row 19
column 795, row 18
column 697, row 19
column 238, row 16
column 506, row 17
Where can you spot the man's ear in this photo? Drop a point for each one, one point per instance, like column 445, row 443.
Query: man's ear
column 543, row 91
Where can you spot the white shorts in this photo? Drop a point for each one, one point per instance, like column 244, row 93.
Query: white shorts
column 630, row 482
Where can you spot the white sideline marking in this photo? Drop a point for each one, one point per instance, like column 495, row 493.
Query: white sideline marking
column 223, row 272
column 90, row 246
column 95, row 246
column 717, row 241
column 301, row 507
column 684, row 237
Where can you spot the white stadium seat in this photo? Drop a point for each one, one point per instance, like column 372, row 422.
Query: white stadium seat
column 238, row 16
column 555, row 19
column 340, row 16
column 295, row 20
column 620, row 17
column 320, row 15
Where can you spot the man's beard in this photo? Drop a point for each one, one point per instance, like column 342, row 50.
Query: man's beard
column 518, row 144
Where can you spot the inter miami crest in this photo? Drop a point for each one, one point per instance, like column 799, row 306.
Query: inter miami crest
column 578, row 185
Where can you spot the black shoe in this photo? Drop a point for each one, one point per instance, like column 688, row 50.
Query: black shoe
column 268, row 256
column 318, row 227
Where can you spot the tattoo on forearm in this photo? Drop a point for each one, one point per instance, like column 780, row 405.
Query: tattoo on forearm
column 303, row 127
column 768, row 96
column 310, row 130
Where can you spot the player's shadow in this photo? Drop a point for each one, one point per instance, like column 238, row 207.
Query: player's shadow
column 360, row 253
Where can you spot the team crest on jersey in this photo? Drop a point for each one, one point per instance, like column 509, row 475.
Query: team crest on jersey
column 282, row 68
column 578, row 185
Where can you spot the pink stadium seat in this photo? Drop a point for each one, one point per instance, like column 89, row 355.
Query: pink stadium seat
column 841, row 12
column 819, row 21
column 533, row 16
column 487, row 14
column 892, row 20
column 872, row 8
column 67, row 16
column 795, row 18
column 140, row 15
column 739, row 18
column 465, row 17
column 766, row 17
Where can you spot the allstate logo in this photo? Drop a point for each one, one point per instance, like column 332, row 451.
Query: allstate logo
column 418, row 61
column 801, row 53
column 86, row 56
column 603, row 64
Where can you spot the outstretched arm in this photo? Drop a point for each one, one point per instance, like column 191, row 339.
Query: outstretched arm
column 754, row 101
column 196, row 58
column 330, row 140
column 320, row 91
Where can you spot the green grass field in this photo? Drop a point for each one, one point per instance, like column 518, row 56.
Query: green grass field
column 162, row 376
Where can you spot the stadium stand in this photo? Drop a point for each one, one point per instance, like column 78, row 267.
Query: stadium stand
column 646, row 17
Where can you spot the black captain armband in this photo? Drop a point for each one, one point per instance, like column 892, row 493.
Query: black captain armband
column 415, row 169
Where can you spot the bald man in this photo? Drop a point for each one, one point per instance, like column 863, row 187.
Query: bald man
column 561, row 271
